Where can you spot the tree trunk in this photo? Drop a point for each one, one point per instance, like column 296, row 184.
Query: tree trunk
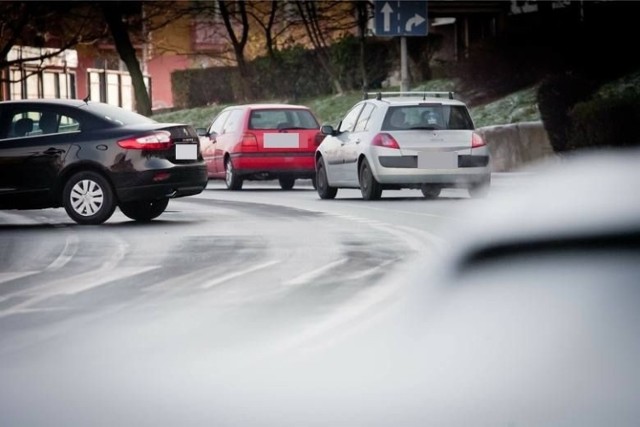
column 127, row 52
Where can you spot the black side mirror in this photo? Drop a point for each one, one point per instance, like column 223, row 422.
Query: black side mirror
column 327, row 130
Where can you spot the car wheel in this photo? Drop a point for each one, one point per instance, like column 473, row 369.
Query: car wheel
column 286, row 182
column 144, row 210
column 322, row 184
column 430, row 191
column 314, row 182
column 88, row 198
column 233, row 181
column 369, row 186
column 480, row 190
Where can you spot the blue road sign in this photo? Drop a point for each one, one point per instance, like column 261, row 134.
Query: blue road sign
column 401, row 18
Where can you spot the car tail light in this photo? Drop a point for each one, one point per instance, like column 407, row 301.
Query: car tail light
column 249, row 142
column 319, row 138
column 160, row 140
column 476, row 140
column 385, row 140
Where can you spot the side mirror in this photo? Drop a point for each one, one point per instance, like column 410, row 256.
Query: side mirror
column 327, row 130
column 201, row 131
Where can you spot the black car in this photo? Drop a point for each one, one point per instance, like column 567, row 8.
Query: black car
column 91, row 157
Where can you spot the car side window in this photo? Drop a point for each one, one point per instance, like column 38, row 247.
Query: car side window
column 363, row 119
column 34, row 123
column 218, row 124
column 349, row 121
column 233, row 121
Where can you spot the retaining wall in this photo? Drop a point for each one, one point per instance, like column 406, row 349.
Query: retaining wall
column 514, row 145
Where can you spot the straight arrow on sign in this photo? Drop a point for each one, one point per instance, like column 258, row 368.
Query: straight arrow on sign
column 387, row 10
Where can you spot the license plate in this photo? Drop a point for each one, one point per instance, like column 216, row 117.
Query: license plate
column 186, row 151
column 438, row 160
column 281, row 140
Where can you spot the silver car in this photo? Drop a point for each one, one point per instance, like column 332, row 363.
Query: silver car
column 422, row 140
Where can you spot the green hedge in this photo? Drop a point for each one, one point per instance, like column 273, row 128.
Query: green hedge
column 609, row 122
column 291, row 74
column 556, row 97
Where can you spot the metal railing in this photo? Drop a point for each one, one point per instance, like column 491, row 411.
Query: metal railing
column 412, row 94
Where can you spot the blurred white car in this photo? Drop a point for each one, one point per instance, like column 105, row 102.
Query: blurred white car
column 422, row 140
column 530, row 318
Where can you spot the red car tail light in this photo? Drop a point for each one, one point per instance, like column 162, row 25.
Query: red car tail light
column 477, row 140
column 385, row 140
column 159, row 140
column 319, row 138
column 249, row 142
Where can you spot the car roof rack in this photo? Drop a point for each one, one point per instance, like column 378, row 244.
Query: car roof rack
column 423, row 94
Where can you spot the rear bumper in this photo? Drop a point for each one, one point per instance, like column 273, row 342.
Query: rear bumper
column 297, row 164
column 403, row 170
column 178, row 181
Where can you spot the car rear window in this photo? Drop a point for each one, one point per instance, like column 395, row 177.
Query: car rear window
column 282, row 119
column 117, row 115
column 427, row 116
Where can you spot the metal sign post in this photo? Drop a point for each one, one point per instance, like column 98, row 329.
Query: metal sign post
column 401, row 18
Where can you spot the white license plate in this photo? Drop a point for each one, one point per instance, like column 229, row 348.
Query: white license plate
column 438, row 160
column 281, row 140
column 186, row 151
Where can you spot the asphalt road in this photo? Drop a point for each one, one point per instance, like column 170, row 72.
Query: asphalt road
column 218, row 280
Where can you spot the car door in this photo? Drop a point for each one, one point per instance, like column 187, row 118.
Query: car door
column 353, row 145
column 211, row 139
column 342, row 147
column 226, row 140
column 32, row 154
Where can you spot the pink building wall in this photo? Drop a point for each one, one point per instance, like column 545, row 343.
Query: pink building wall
column 160, row 69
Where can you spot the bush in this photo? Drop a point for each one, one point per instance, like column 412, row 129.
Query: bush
column 556, row 97
column 290, row 75
column 200, row 87
column 610, row 122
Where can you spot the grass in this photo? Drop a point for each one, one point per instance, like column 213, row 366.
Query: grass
column 517, row 107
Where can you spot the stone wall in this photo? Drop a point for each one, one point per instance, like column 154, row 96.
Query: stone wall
column 514, row 145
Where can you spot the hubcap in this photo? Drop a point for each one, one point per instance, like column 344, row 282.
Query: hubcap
column 87, row 197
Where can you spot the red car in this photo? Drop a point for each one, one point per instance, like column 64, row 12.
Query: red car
column 261, row 142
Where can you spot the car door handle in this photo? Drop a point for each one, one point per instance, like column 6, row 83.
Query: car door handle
column 53, row 151
column 356, row 141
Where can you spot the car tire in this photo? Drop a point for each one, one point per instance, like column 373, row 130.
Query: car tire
column 88, row 198
column 314, row 182
column 430, row 191
column 286, row 182
column 480, row 189
column 231, row 178
column 144, row 210
column 325, row 191
column 369, row 186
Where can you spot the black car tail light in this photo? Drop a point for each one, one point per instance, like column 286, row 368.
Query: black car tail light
column 159, row 140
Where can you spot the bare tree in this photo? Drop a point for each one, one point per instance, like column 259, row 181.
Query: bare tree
column 237, row 12
column 324, row 21
column 364, row 11
column 53, row 25
column 115, row 14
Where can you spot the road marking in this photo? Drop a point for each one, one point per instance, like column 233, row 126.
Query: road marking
column 68, row 252
column 7, row 277
column 231, row 276
column 313, row 274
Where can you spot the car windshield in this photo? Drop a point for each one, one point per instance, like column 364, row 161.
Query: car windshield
column 427, row 116
column 117, row 115
column 282, row 119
